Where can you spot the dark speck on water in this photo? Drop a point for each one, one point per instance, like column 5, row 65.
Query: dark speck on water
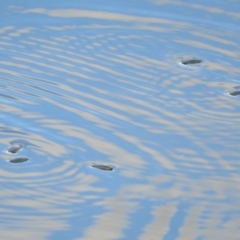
column 15, row 148
column 103, row 167
column 235, row 93
column 191, row 61
column 18, row 160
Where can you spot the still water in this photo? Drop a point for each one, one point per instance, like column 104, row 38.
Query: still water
column 120, row 120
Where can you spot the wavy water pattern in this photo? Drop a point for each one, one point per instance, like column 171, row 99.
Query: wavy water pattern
column 103, row 86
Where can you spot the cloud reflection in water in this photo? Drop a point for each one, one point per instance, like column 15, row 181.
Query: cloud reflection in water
column 94, row 86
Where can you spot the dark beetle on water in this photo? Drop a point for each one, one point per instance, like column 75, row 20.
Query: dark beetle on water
column 15, row 148
column 18, row 160
column 103, row 167
column 235, row 93
column 191, row 61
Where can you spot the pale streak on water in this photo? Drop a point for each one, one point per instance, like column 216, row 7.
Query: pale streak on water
column 102, row 83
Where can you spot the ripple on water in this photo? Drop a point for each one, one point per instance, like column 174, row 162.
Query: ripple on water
column 77, row 91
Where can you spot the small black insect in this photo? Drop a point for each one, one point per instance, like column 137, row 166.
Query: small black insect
column 191, row 61
column 235, row 93
column 103, row 167
column 18, row 160
column 15, row 148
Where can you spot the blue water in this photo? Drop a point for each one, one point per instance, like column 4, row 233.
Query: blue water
column 103, row 82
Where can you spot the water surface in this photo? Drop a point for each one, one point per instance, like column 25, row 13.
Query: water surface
column 116, row 85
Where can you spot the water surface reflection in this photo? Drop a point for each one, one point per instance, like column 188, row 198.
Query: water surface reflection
column 82, row 86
